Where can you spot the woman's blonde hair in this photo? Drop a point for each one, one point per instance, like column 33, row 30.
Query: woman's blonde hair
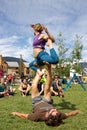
column 38, row 27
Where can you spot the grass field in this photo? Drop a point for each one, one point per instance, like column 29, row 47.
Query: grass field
column 75, row 98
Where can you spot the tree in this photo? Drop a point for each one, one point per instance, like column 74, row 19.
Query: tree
column 76, row 53
column 60, row 68
column 61, row 47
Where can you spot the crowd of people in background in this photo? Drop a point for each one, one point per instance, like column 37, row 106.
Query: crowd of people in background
column 8, row 83
column 6, row 88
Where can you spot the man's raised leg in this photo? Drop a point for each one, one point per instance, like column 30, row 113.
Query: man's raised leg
column 47, row 94
column 34, row 88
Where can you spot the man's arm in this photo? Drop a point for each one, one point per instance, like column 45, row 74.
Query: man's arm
column 32, row 116
column 72, row 113
column 21, row 115
column 63, row 116
column 55, row 93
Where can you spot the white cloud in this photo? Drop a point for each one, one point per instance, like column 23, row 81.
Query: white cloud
column 9, row 47
column 30, row 41
column 9, row 40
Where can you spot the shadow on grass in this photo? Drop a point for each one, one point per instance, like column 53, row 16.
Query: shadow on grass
column 66, row 105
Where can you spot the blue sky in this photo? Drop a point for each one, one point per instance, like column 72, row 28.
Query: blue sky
column 66, row 16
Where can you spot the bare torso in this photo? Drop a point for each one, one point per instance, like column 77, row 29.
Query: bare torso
column 36, row 51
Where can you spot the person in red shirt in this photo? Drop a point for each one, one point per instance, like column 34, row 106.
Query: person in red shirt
column 10, row 77
column 43, row 109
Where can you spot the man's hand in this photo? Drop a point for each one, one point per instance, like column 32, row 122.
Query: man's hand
column 14, row 113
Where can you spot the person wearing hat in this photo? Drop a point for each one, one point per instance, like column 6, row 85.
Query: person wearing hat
column 41, row 56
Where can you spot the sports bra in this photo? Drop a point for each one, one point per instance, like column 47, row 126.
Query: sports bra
column 39, row 43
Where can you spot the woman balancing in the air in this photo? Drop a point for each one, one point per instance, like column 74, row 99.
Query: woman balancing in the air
column 41, row 56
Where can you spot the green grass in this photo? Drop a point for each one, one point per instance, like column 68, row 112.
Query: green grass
column 75, row 98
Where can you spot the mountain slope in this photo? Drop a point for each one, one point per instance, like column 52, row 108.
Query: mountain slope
column 12, row 59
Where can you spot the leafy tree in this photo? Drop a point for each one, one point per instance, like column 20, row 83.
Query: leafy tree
column 61, row 47
column 78, row 68
column 76, row 53
column 60, row 69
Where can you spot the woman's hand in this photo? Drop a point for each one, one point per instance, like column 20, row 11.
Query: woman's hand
column 45, row 28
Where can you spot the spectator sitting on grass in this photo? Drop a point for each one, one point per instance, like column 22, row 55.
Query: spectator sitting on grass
column 24, row 87
column 56, row 87
column 3, row 88
column 10, row 88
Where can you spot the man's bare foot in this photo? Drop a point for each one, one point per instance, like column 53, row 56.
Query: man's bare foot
column 49, row 43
